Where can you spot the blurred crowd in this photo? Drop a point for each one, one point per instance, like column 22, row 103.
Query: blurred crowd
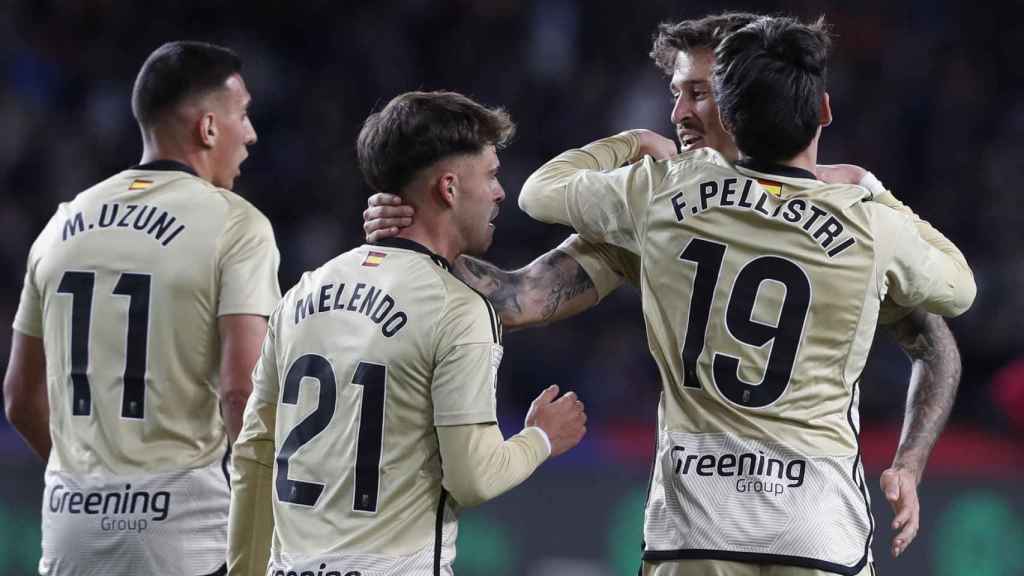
column 929, row 95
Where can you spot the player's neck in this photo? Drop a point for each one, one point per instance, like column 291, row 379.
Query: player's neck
column 805, row 160
column 438, row 239
column 153, row 151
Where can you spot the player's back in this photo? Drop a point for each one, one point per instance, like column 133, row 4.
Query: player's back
column 358, row 472
column 761, row 291
column 124, row 286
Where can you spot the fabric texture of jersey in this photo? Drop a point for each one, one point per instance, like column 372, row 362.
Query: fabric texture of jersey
column 364, row 357
column 761, row 290
column 124, row 286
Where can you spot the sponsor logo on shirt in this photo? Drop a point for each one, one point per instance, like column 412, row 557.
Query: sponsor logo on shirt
column 119, row 511
column 756, row 473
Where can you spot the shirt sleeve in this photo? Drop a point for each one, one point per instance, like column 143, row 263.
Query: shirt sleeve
column 29, row 317
column 607, row 266
column 251, row 517
column 479, row 464
column 588, row 190
column 916, row 272
column 467, row 356
column 248, row 264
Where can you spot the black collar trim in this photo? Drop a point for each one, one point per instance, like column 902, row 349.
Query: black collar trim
column 777, row 169
column 406, row 244
column 165, row 165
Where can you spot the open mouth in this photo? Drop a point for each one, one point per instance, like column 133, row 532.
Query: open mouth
column 691, row 141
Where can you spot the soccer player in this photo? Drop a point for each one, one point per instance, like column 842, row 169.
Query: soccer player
column 372, row 419
column 143, row 309
column 761, row 292
column 578, row 274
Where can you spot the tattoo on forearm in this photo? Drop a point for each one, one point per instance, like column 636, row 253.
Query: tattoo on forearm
column 560, row 280
column 499, row 286
column 934, row 381
column 543, row 291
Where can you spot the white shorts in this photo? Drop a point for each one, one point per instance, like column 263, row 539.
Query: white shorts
column 172, row 523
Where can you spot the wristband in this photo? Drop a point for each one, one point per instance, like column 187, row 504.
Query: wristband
column 873, row 184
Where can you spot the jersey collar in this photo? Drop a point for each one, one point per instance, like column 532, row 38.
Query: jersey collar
column 772, row 169
column 165, row 165
column 406, row 244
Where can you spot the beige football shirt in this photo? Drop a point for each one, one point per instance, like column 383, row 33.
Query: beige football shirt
column 364, row 358
column 124, row 285
column 761, row 289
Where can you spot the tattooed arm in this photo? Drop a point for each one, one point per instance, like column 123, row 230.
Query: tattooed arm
column 934, row 378
column 551, row 288
column 933, row 383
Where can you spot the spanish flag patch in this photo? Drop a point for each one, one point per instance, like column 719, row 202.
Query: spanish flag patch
column 374, row 258
column 772, row 187
column 140, row 184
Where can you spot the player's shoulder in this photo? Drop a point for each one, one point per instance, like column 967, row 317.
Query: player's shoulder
column 844, row 196
column 459, row 308
column 238, row 208
column 466, row 309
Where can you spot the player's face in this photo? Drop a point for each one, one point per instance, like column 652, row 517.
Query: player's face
column 694, row 112
column 234, row 132
column 477, row 199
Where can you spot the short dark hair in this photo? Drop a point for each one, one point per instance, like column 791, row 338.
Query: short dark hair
column 177, row 71
column 768, row 80
column 416, row 129
column 688, row 35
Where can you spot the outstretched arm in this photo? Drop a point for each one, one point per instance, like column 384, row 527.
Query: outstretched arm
column 560, row 283
column 552, row 287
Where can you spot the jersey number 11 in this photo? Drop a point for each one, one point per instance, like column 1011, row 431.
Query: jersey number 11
column 135, row 286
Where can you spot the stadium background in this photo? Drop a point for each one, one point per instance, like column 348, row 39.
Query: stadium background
column 927, row 94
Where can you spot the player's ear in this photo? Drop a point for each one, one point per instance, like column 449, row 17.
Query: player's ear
column 447, row 186
column 825, row 114
column 207, row 130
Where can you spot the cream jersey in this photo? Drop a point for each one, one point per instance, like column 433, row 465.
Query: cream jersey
column 364, row 358
column 124, row 286
column 761, row 289
column 608, row 266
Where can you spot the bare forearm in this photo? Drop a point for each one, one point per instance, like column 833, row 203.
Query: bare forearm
column 232, row 406
column 26, row 403
column 33, row 425
column 552, row 287
column 934, row 379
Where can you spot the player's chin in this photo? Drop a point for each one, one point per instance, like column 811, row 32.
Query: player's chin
column 483, row 243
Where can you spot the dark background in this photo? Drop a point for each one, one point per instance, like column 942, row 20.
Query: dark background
column 927, row 95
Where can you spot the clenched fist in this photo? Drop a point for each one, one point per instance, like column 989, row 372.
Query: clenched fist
column 563, row 420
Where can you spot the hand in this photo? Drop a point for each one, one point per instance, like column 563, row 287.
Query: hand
column 563, row 420
column 655, row 145
column 385, row 216
column 900, row 488
column 839, row 173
